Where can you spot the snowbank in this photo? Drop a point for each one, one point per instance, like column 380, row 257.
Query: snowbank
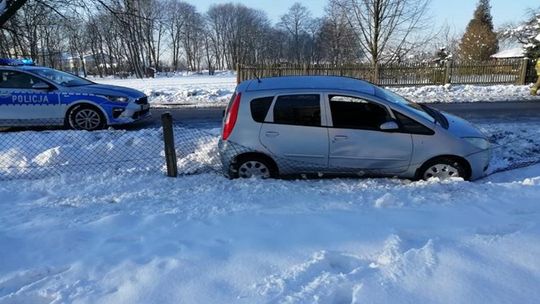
column 199, row 90
column 122, row 237
column 182, row 89
column 37, row 154
column 205, row 239
column 467, row 93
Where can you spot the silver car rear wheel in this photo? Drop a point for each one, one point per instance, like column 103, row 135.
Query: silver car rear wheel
column 254, row 168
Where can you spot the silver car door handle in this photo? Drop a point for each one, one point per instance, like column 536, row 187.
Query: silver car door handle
column 5, row 95
column 340, row 137
column 272, row 134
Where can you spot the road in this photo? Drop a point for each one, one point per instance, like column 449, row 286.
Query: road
column 476, row 112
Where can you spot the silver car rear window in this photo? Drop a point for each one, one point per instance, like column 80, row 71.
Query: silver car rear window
column 259, row 108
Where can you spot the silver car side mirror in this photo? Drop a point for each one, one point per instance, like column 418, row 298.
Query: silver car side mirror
column 389, row 126
column 41, row 86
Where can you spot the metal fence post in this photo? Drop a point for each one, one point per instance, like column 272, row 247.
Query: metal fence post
column 523, row 72
column 376, row 73
column 238, row 74
column 448, row 72
column 170, row 150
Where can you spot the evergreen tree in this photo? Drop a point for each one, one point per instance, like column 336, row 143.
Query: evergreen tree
column 480, row 40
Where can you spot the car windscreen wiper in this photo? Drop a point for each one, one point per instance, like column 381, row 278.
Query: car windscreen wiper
column 430, row 112
column 437, row 115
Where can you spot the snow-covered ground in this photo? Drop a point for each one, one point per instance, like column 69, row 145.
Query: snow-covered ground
column 120, row 237
column 205, row 239
column 203, row 90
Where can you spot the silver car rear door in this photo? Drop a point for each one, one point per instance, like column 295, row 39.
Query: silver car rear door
column 295, row 131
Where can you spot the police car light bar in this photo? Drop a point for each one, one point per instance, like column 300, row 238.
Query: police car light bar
column 16, row 62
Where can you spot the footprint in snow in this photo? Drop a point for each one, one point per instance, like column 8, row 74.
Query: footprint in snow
column 340, row 277
column 22, row 282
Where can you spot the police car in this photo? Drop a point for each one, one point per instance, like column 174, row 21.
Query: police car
column 38, row 96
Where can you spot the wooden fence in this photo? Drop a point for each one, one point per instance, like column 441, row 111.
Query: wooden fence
column 505, row 71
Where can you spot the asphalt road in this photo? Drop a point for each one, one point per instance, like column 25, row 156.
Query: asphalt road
column 474, row 111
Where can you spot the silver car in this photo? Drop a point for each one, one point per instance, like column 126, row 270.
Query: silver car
column 335, row 125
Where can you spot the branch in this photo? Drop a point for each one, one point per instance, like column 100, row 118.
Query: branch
column 10, row 8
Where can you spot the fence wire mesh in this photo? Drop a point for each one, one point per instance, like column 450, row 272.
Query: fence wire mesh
column 34, row 153
column 513, row 146
column 196, row 150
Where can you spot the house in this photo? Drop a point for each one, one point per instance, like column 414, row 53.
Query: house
column 510, row 53
column 91, row 62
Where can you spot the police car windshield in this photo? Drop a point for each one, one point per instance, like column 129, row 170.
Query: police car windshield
column 62, row 78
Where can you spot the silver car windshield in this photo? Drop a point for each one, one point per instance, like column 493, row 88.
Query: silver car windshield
column 395, row 98
column 61, row 78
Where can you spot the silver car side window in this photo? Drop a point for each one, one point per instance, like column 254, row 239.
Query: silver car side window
column 298, row 109
column 349, row 112
column 259, row 108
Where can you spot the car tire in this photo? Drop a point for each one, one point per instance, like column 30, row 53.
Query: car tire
column 254, row 167
column 443, row 168
column 84, row 117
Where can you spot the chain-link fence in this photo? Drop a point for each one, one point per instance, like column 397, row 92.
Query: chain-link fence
column 30, row 153
column 37, row 153
column 196, row 150
column 513, row 145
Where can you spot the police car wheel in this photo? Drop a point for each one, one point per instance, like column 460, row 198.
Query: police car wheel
column 86, row 118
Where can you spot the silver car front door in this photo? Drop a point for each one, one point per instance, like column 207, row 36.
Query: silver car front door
column 357, row 143
column 295, row 134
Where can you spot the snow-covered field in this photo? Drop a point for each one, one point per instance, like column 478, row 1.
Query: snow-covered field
column 195, row 90
column 201, row 90
column 118, row 237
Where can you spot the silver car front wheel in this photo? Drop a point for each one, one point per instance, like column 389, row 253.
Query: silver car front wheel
column 443, row 168
column 441, row 171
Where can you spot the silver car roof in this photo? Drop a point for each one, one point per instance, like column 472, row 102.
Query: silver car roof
column 310, row 82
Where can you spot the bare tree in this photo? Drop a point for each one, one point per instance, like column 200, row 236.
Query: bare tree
column 130, row 37
column 8, row 8
column 175, row 22
column 385, row 29
column 337, row 40
column 296, row 23
column 236, row 33
column 192, row 40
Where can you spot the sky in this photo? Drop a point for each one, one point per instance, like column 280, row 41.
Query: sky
column 455, row 13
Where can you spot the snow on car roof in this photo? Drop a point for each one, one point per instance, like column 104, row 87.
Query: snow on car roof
column 311, row 82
